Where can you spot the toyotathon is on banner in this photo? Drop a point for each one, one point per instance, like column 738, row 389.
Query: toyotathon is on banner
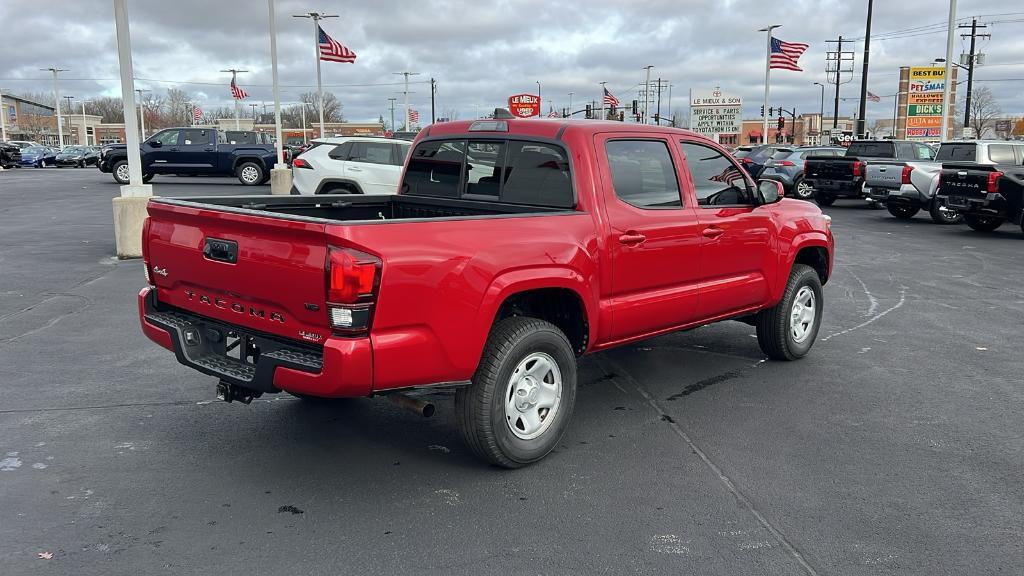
column 713, row 112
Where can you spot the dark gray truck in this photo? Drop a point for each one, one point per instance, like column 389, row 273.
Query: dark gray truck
column 195, row 151
column 835, row 177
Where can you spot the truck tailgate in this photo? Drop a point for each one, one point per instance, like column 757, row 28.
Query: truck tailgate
column 830, row 169
column 266, row 274
column 882, row 174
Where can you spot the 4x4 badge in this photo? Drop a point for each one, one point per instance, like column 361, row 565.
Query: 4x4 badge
column 160, row 271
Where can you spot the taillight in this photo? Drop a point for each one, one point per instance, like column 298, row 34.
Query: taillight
column 905, row 177
column 746, row 160
column 145, row 251
column 805, row 166
column 300, row 163
column 993, row 181
column 784, row 163
column 353, row 278
column 858, row 168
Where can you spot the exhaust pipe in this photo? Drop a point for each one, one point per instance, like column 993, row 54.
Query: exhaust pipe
column 413, row 404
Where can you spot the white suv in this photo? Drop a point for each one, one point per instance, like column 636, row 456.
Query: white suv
column 350, row 165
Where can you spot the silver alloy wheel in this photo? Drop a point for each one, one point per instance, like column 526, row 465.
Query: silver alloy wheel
column 803, row 315
column 804, row 190
column 250, row 174
column 42, row 163
column 948, row 215
column 123, row 173
column 533, row 396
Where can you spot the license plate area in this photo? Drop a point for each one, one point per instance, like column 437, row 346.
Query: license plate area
column 956, row 201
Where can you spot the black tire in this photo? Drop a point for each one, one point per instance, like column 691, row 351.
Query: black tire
column 901, row 211
column 943, row 215
column 801, row 192
column 480, row 407
column 121, row 177
column 982, row 223
column 250, row 173
column 81, row 164
column 824, row 199
column 147, row 177
column 774, row 333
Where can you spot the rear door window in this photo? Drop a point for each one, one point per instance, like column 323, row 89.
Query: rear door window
column 643, row 174
column 537, row 173
column 195, row 137
column 716, row 180
column 339, row 152
column 1001, row 154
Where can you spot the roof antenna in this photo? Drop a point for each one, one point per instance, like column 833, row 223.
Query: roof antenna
column 502, row 114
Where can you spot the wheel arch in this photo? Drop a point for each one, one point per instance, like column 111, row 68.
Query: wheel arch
column 326, row 182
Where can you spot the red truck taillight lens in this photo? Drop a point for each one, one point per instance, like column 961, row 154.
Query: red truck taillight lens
column 145, row 251
column 905, row 177
column 300, row 163
column 993, row 181
column 353, row 278
column 858, row 168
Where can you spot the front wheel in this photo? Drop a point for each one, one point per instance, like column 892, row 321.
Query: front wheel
column 250, row 174
column 901, row 211
column 787, row 330
column 802, row 190
column 42, row 164
column 982, row 223
column 942, row 215
column 522, row 394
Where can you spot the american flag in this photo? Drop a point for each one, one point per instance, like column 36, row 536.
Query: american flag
column 785, row 54
column 729, row 175
column 197, row 113
column 236, row 92
column 414, row 116
column 331, row 51
column 873, row 97
column 609, row 99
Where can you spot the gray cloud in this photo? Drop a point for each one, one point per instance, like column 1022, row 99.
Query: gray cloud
column 481, row 52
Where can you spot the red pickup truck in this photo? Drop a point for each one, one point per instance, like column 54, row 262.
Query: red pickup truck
column 513, row 246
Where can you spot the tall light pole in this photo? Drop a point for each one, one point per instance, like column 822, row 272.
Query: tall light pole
column 316, row 17
column 767, row 77
column 392, row 101
column 821, row 113
column 570, row 103
column 56, row 100
column 538, row 97
column 647, row 92
column 71, row 111
column 604, row 114
column 861, row 121
column 84, row 136
column 948, row 80
column 405, row 91
column 142, row 113
column 3, row 118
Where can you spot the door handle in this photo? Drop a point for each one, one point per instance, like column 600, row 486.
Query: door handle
column 207, row 149
column 353, row 169
column 174, row 149
column 712, row 232
column 632, row 238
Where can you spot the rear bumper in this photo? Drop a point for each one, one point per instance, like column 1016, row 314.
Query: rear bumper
column 992, row 204
column 844, row 188
column 905, row 194
column 343, row 367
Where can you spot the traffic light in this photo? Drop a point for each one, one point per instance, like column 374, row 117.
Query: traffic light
column 762, row 109
column 589, row 111
column 771, row 111
column 622, row 116
column 657, row 119
column 636, row 107
column 782, row 122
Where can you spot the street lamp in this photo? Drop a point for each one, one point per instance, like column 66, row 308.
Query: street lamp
column 821, row 112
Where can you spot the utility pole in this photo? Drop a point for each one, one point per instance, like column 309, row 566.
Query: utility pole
column 657, row 113
column 142, row 113
column 970, row 69
column 254, row 106
column 671, row 113
column 392, row 101
column 83, row 139
column 433, row 92
column 316, row 17
column 836, row 59
column 948, row 78
column 56, row 100
column 821, row 113
column 647, row 92
column 570, row 103
column 861, row 122
column 405, row 92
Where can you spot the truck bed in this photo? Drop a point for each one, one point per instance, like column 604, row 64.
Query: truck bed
column 362, row 209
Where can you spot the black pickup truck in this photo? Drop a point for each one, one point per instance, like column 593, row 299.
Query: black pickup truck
column 987, row 195
column 194, row 151
column 843, row 176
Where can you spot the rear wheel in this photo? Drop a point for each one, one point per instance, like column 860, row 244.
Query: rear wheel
column 522, row 394
column 42, row 164
column 802, row 190
column 942, row 215
column 787, row 331
column 250, row 173
column 901, row 211
column 982, row 223
column 120, row 172
column 147, row 177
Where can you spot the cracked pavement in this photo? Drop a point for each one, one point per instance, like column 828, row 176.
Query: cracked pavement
column 895, row 447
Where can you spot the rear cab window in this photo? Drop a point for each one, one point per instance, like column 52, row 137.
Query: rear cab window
column 956, row 152
column 872, row 149
column 510, row 171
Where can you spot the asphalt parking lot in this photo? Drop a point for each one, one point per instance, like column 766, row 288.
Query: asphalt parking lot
column 895, row 447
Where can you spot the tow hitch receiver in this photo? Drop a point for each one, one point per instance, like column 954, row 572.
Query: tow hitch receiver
column 230, row 393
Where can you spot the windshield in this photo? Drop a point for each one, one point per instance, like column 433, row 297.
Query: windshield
column 75, row 150
column 34, row 150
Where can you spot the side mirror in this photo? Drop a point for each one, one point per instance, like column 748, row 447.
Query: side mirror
column 771, row 191
column 154, row 144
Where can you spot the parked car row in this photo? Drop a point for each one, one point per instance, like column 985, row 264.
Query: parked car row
column 18, row 153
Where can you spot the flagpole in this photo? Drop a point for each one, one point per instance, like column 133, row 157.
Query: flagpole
column 277, row 89
column 319, row 82
column 604, row 114
column 767, row 78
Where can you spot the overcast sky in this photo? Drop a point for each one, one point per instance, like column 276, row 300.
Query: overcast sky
column 480, row 52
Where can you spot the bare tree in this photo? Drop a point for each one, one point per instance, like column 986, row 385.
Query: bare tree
column 178, row 106
column 332, row 107
column 111, row 109
column 45, row 98
column 984, row 110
